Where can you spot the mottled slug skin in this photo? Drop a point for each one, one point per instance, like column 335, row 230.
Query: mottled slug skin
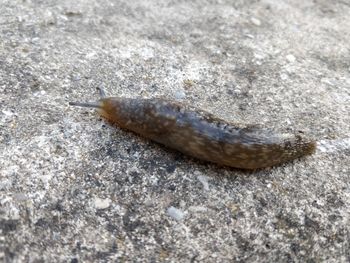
column 201, row 135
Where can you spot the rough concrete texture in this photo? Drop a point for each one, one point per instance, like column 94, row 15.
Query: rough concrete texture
column 74, row 189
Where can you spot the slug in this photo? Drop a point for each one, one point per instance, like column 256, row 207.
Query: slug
column 200, row 134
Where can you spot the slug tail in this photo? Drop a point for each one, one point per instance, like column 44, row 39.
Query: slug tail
column 310, row 148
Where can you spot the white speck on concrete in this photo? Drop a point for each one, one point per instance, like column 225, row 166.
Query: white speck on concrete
column 20, row 197
column 328, row 81
column 175, row 213
column 198, row 209
column 204, row 180
column 182, row 204
column 179, row 94
column 283, row 76
column 259, row 56
column 102, row 203
column 7, row 113
column 255, row 21
column 331, row 146
column 147, row 53
column 91, row 55
column 14, row 213
column 195, row 69
column 290, row 58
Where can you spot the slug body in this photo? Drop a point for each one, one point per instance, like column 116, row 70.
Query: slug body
column 201, row 135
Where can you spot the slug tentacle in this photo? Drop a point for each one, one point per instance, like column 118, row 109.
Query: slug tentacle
column 202, row 135
column 86, row 104
column 102, row 92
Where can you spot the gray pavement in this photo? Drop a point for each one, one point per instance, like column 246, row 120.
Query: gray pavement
column 74, row 189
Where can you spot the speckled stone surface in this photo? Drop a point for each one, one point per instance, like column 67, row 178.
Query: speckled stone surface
column 74, row 189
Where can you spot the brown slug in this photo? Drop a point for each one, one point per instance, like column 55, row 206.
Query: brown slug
column 200, row 134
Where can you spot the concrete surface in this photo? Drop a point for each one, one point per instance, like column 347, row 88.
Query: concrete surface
column 74, row 189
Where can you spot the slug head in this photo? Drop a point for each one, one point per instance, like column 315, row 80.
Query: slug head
column 97, row 104
column 107, row 107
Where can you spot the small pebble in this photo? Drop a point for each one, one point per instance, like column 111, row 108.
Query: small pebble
column 188, row 83
column 175, row 213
